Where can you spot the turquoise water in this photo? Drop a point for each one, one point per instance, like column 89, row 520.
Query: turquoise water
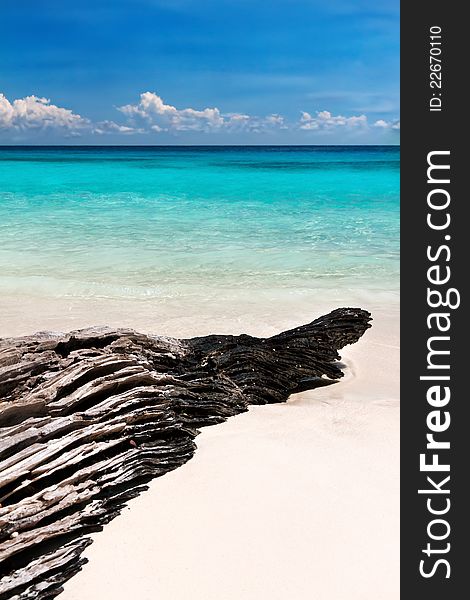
column 157, row 222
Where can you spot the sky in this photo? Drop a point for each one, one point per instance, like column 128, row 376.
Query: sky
column 199, row 72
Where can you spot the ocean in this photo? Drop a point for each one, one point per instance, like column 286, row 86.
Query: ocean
column 190, row 226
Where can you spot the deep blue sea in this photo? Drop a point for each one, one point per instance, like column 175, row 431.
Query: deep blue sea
column 181, row 222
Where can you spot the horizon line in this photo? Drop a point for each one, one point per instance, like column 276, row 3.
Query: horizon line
column 193, row 145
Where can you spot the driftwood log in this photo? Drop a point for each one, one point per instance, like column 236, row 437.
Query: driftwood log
column 88, row 418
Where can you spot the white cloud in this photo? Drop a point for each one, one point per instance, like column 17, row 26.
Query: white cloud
column 324, row 120
column 151, row 115
column 32, row 112
column 275, row 120
column 382, row 124
column 104, row 127
column 253, row 124
column 158, row 116
column 167, row 117
column 35, row 113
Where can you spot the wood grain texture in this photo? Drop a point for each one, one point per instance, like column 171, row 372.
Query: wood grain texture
column 88, row 418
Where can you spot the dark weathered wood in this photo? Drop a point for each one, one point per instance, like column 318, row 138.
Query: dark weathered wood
column 88, row 418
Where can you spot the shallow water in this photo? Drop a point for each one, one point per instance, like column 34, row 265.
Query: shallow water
column 179, row 226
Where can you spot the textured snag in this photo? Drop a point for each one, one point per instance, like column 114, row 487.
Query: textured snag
column 88, row 418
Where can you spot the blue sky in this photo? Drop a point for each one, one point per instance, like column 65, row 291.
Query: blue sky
column 210, row 71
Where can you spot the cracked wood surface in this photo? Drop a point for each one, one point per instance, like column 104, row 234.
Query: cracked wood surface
column 88, row 418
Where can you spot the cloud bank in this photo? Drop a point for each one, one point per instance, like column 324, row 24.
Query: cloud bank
column 151, row 115
column 324, row 120
column 32, row 112
column 152, row 111
column 382, row 124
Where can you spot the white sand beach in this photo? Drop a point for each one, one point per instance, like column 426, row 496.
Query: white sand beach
column 298, row 500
